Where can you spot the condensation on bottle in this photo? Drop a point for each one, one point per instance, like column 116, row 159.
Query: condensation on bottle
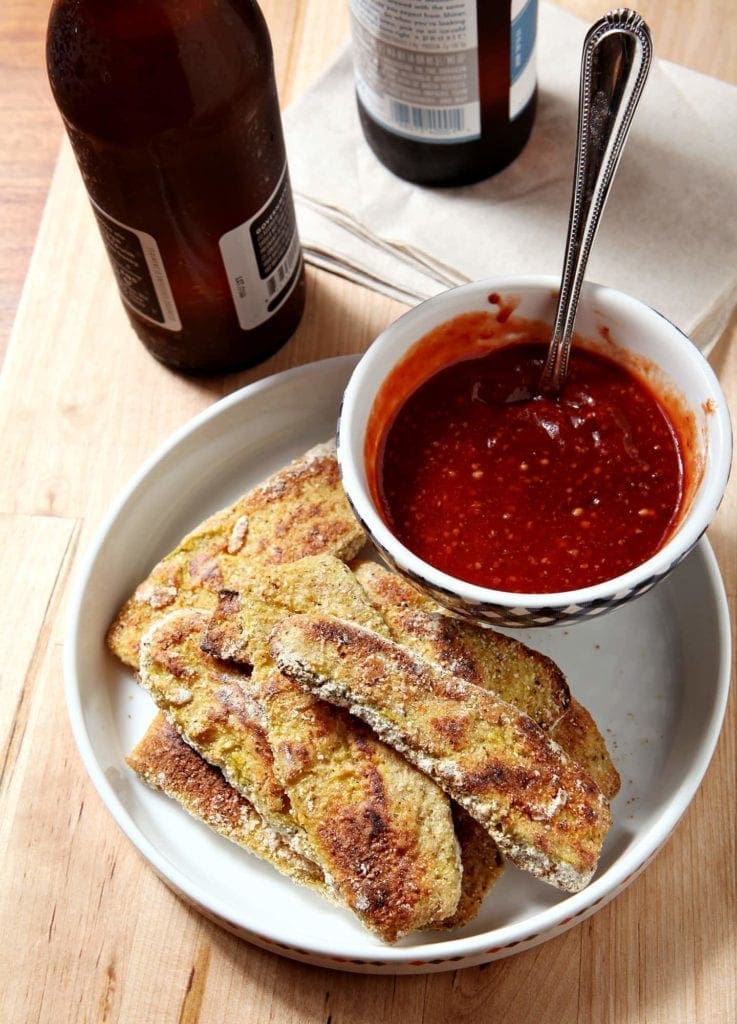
column 172, row 112
column 446, row 89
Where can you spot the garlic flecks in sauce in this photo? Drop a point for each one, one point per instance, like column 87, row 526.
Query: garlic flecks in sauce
column 544, row 495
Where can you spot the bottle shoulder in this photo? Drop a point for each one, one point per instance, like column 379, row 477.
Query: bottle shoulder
column 130, row 71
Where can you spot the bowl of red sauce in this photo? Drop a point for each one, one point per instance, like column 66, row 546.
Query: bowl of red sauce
column 520, row 509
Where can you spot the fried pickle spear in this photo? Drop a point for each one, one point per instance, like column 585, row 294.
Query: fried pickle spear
column 239, row 630
column 216, row 708
column 300, row 510
column 544, row 813
column 381, row 830
column 523, row 677
column 166, row 763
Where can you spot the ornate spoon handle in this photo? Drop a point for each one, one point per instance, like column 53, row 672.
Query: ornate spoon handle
column 616, row 59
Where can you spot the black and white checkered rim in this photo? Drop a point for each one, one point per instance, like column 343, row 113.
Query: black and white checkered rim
column 519, row 616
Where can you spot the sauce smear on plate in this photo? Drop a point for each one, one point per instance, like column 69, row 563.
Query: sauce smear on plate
column 537, row 496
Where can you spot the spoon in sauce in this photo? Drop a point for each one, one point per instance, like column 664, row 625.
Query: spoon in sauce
column 615, row 62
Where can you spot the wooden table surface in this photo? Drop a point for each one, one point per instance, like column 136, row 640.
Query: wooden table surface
column 89, row 933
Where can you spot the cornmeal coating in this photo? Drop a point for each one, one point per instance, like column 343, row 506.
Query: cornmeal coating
column 166, row 763
column 300, row 510
column 218, row 710
column 382, row 832
column 517, row 673
column 544, row 812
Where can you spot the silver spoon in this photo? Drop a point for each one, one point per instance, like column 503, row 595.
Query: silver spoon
column 616, row 59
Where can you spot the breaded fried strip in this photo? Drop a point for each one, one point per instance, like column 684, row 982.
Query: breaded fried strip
column 578, row 734
column 301, row 510
column 165, row 762
column 239, row 630
column 524, row 677
column 381, row 830
column 482, row 867
column 545, row 814
column 352, row 801
column 216, row 708
column 521, row 676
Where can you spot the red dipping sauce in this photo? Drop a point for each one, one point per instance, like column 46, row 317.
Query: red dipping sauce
column 540, row 496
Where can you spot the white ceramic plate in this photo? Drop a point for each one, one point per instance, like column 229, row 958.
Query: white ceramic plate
column 654, row 673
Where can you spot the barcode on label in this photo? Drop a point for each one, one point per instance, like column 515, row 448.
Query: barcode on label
column 285, row 268
column 439, row 119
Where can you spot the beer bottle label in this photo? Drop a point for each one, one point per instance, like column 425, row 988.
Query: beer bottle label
column 417, row 65
column 139, row 270
column 523, row 70
column 263, row 257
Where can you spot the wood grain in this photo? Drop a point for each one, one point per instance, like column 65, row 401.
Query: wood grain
column 90, row 933
column 30, row 131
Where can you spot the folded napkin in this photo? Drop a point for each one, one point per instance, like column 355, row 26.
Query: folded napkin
column 668, row 234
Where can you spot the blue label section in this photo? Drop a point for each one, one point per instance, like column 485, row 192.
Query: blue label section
column 524, row 30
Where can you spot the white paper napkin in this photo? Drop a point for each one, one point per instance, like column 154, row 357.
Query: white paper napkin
column 668, row 234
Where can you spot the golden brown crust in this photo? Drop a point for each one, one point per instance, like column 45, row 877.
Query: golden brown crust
column 381, row 831
column 299, row 511
column 239, row 629
column 374, row 825
column 578, row 734
column 524, row 677
column 217, row 709
column 546, row 815
column 482, row 867
column 240, row 626
column 165, row 762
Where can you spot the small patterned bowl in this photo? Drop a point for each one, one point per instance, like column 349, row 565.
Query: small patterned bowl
column 607, row 321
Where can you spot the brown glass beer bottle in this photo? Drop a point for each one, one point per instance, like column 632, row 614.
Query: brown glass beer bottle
column 446, row 89
column 172, row 112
